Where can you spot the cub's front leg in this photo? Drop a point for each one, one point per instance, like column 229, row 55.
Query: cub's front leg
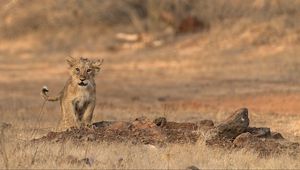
column 88, row 113
column 69, row 114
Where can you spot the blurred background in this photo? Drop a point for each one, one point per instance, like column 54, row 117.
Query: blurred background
column 183, row 59
column 65, row 25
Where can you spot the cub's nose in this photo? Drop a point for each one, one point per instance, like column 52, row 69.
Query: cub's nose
column 82, row 78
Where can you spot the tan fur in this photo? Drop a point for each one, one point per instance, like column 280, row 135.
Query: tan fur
column 78, row 97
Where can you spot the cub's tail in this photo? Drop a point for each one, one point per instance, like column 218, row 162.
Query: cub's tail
column 44, row 94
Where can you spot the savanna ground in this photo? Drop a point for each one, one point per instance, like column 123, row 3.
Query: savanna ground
column 247, row 56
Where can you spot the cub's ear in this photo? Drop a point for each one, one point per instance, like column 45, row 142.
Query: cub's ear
column 97, row 65
column 71, row 61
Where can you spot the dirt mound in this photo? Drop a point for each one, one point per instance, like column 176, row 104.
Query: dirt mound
column 232, row 133
column 141, row 130
column 265, row 146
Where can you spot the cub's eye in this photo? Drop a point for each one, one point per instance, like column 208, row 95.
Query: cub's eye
column 89, row 70
column 77, row 69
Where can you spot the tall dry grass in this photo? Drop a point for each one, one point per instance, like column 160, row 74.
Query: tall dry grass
column 3, row 147
column 127, row 156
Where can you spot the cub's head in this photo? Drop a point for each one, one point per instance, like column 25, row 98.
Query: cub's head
column 83, row 70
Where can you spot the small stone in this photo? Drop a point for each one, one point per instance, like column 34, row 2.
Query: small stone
column 142, row 123
column 245, row 139
column 261, row 132
column 102, row 124
column 276, row 135
column 209, row 123
column 161, row 121
column 193, row 167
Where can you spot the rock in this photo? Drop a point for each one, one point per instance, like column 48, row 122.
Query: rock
column 161, row 121
column 102, row 124
column 142, row 123
column 260, row 132
column 236, row 124
column 264, row 147
column 233, row 126
column 208, row 123
column 276, row 135
column 245, row 140
column 193, row 167
column 146, row 130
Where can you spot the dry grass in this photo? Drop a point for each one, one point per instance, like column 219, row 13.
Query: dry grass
column 128, row 156
column 248, row 58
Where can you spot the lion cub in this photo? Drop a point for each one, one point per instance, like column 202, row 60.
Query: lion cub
column 78, row 97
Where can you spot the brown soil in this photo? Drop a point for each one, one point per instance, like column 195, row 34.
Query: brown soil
column 143, row 132
column 233, row 133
